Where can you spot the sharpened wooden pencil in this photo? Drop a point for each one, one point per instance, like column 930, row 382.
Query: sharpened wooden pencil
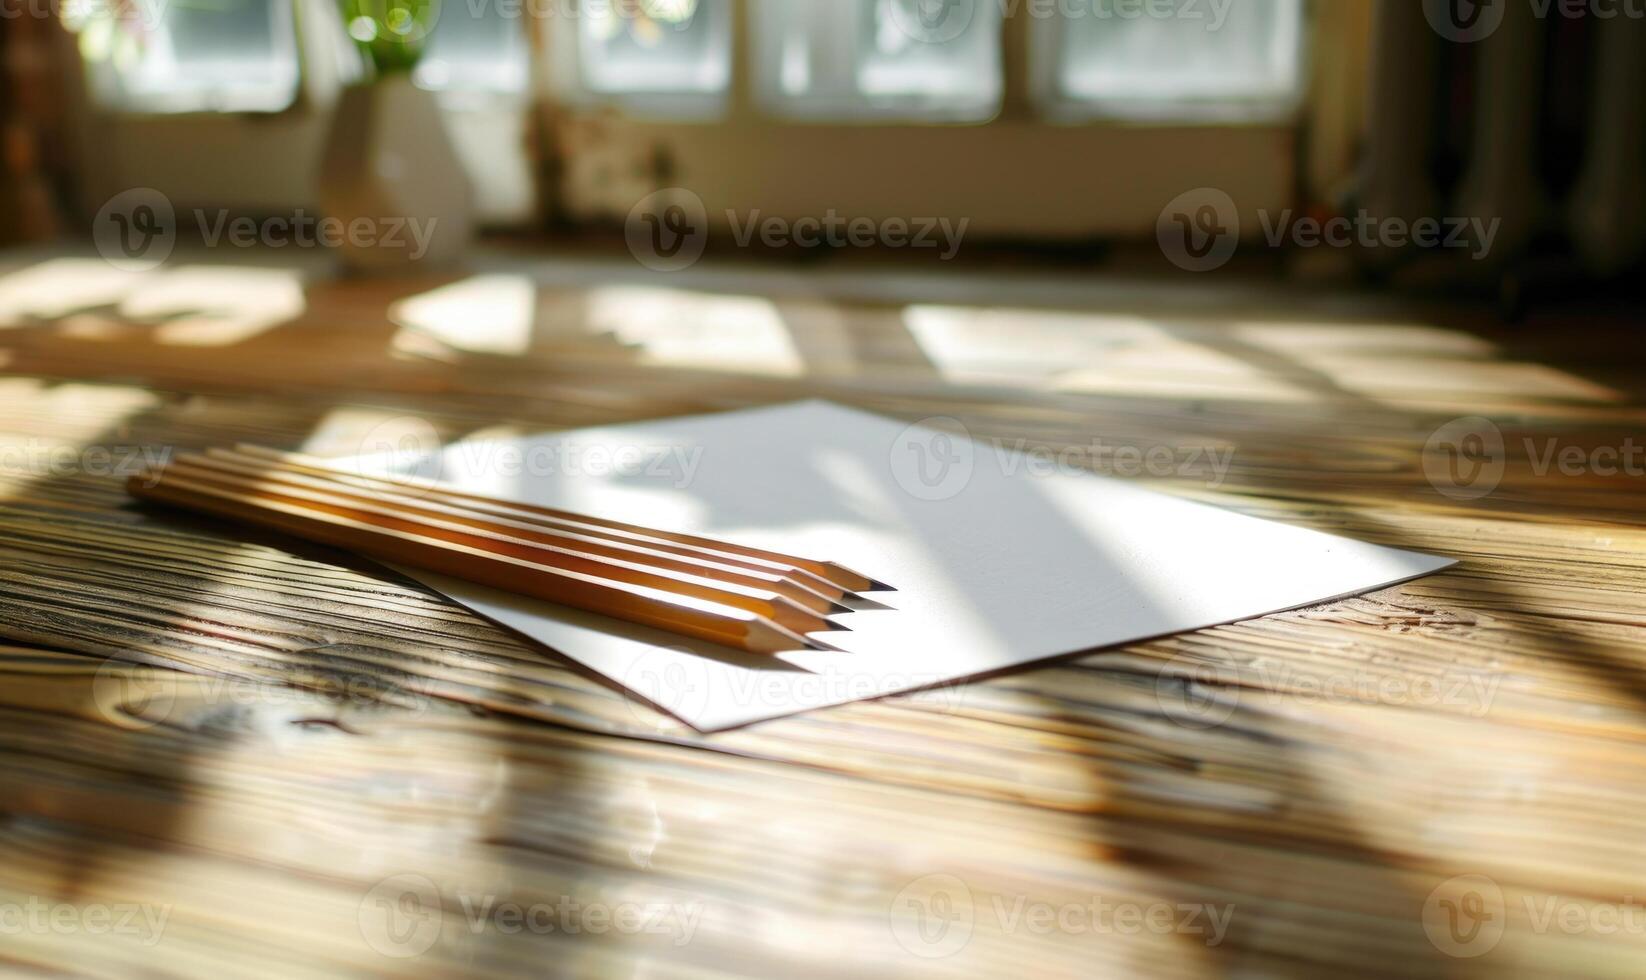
column 757, row 600
column 505, row 510
column 272, row 478
column 686, row 615
column 766, row 603
column 833, row 572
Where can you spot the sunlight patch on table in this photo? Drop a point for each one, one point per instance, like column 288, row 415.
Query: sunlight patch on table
column 191, row 306
column 216, row 306
column 679, row 328
column 58, row 287
column 481, row 314
column 67, row 431
column 1107, row 352
column 1383, row 359
column 68, row 414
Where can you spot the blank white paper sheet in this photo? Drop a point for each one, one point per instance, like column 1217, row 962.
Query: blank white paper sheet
column 995, row 564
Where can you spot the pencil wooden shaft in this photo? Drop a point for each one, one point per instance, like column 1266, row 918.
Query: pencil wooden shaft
column 762, row 602
column 504, row 509
column 674, row 613
column 259, row 470
column 829, row 571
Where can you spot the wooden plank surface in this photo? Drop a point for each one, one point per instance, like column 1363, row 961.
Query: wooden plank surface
column 298, row 764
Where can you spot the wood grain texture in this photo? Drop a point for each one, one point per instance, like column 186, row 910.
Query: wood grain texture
column 278, row 752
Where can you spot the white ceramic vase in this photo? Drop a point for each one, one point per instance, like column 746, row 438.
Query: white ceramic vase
column 391, row 185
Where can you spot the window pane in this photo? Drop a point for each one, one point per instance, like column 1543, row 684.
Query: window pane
column 1175, row 57
column 878, row 58
column 478, row 48
column 654, row 46
column 188, row 55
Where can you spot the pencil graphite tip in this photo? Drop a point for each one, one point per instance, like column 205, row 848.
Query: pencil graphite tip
column 839, row 608
column 817, row 644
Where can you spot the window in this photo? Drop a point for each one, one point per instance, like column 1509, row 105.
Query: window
column 809, row 105
column 169, row 56
column 940, row 60
column 1172, row 59
column 875, row 59
column 841, row 59
column 670, row 57
column 475, row 50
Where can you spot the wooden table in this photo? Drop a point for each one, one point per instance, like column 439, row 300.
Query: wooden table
column 301, row 765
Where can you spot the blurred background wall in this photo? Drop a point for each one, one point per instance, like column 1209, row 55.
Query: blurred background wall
column 1038, row 121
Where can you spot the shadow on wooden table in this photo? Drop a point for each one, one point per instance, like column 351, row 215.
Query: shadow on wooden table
column 1248, row 810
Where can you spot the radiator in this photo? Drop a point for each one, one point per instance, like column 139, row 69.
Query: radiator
column 1531, row 113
